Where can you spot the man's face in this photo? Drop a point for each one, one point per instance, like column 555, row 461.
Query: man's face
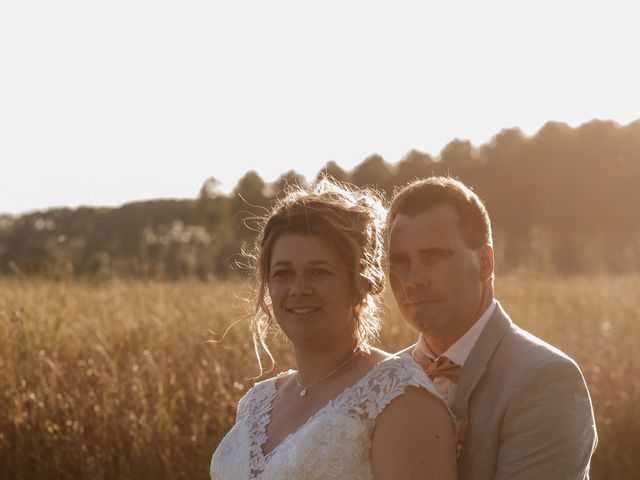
column 438, row 282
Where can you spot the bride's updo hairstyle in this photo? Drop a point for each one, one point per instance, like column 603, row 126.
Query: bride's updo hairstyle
column 349, row 220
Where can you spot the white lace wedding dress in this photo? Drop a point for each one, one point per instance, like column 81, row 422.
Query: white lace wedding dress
column 335, row 443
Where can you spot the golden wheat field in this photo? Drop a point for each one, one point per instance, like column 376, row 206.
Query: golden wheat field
column 120, row 380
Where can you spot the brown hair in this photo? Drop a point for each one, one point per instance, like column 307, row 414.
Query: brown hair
column 422, row 195
column 351, row 221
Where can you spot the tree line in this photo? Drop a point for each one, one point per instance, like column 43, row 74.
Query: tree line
column 565, row 200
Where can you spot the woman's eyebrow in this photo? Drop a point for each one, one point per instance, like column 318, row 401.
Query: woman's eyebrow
column 280, row 263
column 321, row 262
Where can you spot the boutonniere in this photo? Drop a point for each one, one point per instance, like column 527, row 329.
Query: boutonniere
column 463, row 428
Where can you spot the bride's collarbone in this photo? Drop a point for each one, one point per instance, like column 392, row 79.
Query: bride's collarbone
column 290, row 412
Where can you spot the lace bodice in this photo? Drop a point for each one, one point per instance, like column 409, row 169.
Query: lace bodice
column 335, row 443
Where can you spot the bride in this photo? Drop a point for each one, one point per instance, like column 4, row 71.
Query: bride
column 349, row 411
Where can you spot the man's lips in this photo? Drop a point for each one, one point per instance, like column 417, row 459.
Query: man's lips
column 420, row 302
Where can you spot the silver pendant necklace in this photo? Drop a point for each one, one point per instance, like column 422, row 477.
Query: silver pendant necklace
column 305, row 388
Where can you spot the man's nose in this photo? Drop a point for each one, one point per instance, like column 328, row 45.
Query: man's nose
column 416, row 276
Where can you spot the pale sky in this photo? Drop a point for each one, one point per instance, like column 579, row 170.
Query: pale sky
column 107, row 102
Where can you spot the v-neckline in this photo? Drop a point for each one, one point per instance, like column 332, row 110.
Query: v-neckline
column 272, row 395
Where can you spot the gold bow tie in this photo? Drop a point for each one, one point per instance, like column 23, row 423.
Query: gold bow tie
column 442, row 367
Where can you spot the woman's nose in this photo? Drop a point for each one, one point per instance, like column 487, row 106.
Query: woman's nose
column 300, row 286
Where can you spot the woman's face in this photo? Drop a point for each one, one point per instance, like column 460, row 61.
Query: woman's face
column 311, row 291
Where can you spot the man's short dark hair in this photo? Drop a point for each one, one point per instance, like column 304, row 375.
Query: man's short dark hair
column 422, row 195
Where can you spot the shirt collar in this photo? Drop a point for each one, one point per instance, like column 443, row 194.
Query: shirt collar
column 459, row 351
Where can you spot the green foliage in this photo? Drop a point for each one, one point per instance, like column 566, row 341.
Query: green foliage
column 564, row 200
column 333, row 170
column 414, row 165
column 374, row 172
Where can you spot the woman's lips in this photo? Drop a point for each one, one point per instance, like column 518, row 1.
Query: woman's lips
column 302, row 310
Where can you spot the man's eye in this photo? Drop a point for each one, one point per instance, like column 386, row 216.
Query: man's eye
column 320, row 271
column 396, row 261
column 438, row 255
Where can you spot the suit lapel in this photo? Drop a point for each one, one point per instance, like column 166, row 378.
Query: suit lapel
column 476, row 364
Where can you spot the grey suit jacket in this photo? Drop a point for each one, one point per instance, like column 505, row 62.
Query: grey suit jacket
column 526, row 408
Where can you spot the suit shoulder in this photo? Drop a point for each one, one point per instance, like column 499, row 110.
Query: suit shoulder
column 522, row 348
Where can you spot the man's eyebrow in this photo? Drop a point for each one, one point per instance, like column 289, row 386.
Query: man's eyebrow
column 313, row 263
column 422, row 251
column 435, row 250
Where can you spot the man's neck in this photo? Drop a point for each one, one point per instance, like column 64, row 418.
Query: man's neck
column 441, row 343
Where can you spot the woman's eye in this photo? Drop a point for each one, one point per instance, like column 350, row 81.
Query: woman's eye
column 278, row 273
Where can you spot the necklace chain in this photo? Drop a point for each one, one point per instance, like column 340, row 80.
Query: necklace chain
column 305, row 388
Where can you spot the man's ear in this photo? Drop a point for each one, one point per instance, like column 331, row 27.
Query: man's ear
column 485, row 255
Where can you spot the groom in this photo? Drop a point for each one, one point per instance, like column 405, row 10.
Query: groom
column 524, row 407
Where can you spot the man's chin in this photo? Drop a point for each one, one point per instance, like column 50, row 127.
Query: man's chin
column 427, row 324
